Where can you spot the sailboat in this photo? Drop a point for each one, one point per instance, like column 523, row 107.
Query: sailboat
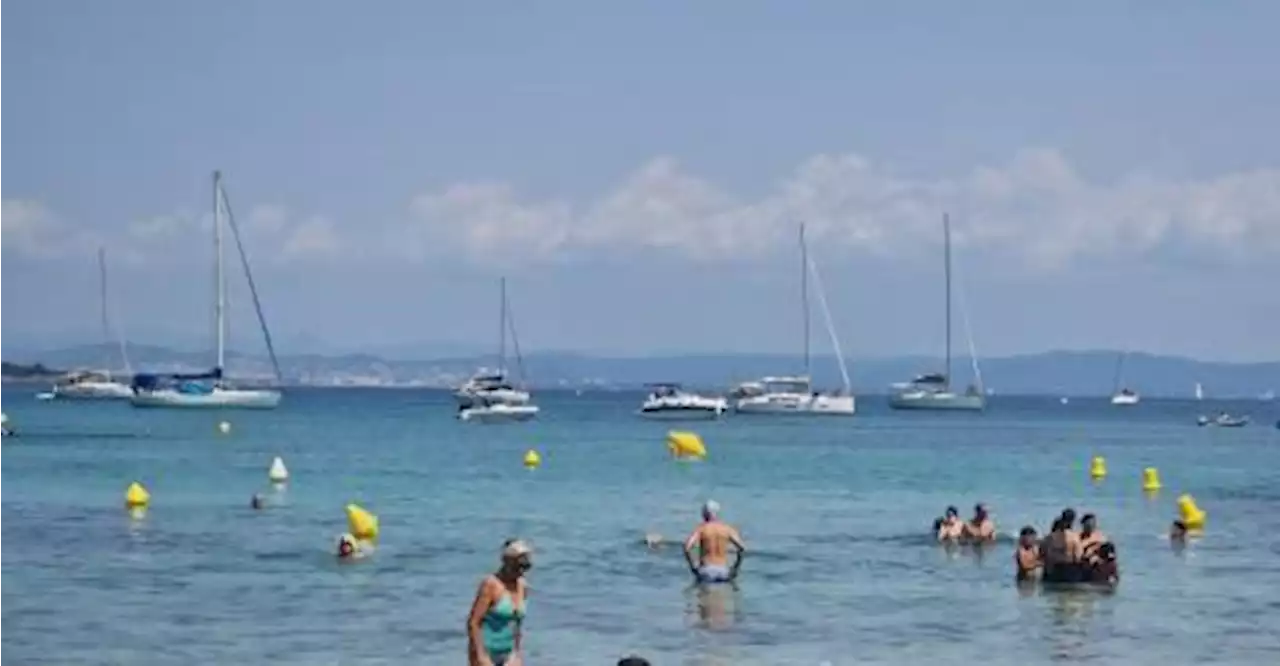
column 795, row 394
column 489, row 396
column 210, row 389
column 932, row 391
column 1123, row 395
column 95, row 384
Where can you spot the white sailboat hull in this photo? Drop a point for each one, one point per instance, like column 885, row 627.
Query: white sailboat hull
column 93, row 391
column 797, row 403
column 937, row 400
column 218, row 398
column 1123, row 399
column 498, row 413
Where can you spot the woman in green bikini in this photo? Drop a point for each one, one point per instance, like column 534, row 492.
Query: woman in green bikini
column 493, row 628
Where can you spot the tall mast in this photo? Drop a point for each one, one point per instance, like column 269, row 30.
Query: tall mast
column 946, row 252
column 502, row 326
column 220, row 299
column 102, row 296
column 804, row 296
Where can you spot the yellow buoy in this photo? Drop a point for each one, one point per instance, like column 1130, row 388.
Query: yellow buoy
column 1192, row 516
column 362, row 524
column 532, row 459
column 278, row 472
column 224, row 427
column 1098, row 467
column 136, row 496
column 686, row 445
column 1151, row 479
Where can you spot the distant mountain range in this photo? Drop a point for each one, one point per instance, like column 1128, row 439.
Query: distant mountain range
column 1074, row 373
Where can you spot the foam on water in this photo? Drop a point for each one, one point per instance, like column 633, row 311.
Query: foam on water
column 835, row 511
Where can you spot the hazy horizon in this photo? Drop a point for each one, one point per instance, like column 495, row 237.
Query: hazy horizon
column 639, row 172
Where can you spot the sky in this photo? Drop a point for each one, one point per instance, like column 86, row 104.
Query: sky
column 638, row 172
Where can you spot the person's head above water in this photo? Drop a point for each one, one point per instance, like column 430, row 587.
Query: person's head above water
column 1068, row 518
column 1178, row 530
column 952, row 512
column 257, row 502
column 516, row 558
column 346, row 546
column 633, row 661
column 1089, row 522
column 710, row 510
column 979, row 512
column 1027, row 536
column 1107, row 551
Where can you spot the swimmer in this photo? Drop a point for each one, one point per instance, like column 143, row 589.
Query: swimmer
column 494, row 627
column 712, row 538
column 653, row 540
column 952, row 528
column 1178, row 532
column 981, row 529
column 1061, row 553
column 1091, row 538
column 1027, row 558
column 633, row 661
column 258, row 502
column 349, row 548
column 1105, row 569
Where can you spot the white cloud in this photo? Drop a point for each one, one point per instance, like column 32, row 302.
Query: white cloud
column 1036, row 209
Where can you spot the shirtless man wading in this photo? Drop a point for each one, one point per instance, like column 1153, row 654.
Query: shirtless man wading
column 712, row 539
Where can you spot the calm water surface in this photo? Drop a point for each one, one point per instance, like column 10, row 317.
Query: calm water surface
column 835, row 510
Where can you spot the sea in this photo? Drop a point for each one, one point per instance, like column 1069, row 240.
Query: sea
column 835, row 511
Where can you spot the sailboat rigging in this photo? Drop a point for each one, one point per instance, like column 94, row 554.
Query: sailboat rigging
column 211, row 389
column 934, row 391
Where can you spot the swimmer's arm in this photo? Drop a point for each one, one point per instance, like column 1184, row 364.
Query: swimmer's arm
column 739, row 551
column 478, row 608
column 689, row 543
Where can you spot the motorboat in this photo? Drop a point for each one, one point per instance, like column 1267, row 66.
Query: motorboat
column 1224, row 420
column 671, row 402
column 490, row 386
column 791, row 395
column 496, row 412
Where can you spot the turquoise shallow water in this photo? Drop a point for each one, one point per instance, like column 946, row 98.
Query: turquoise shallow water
column 834, row 510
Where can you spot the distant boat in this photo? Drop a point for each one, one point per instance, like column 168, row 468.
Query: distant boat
column 795, row 394
column 211, row 390
column 95, row 384
column 1224, row 420
column 933, row 391
column 1122, row 395
column 1199, row 391
column 671, row 402
column 489, row 396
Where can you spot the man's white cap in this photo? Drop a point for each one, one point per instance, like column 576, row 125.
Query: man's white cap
column 516, row 548
column 711, row 508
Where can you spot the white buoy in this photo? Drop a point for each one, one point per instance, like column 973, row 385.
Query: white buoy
column 278, row 472
column 224, row 427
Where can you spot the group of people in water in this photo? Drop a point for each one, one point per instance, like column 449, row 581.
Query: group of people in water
column 1064, row 555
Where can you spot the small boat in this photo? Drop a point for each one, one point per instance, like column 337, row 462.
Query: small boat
column 933, row 391
column 95, row 384
column 1125, row 397
column 795, row 394
column 489, row 395
column 497, row 412
column 1224, row 420
column 671, row 402
column 210, row 389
